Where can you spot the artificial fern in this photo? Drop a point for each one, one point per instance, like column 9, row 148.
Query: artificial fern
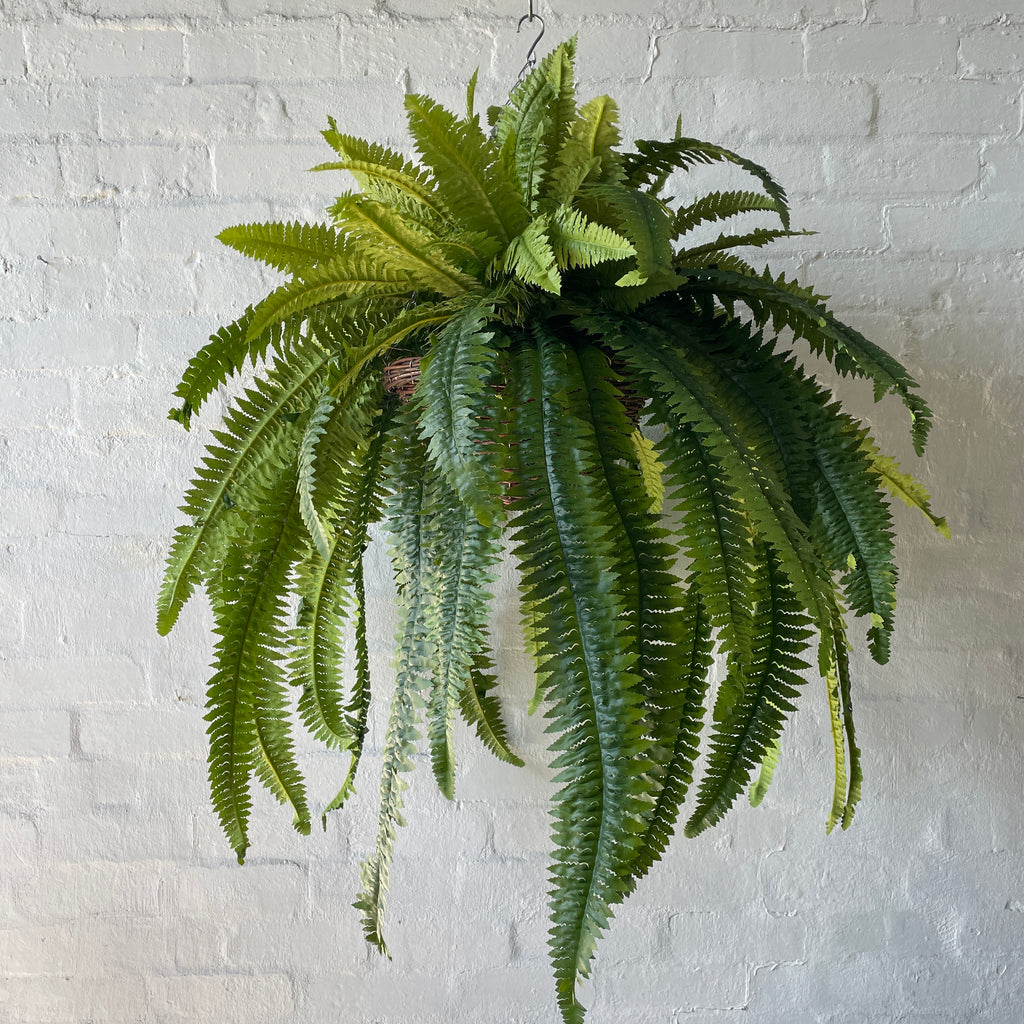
column 610, row 396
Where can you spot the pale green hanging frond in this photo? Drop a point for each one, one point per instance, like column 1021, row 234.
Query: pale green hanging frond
column 287, row 247
column 531, row 258
column 467, row 175
column 577, row 242
column 651, row 469
column 912, row 493
column 404, row 248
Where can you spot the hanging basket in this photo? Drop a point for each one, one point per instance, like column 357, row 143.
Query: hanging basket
column 402, row 376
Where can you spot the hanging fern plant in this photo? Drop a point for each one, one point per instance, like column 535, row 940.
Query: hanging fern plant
column 608, row 394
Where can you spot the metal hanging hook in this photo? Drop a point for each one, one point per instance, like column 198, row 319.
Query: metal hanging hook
column 531, row 58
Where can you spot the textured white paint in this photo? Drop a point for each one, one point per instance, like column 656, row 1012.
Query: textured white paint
column 131, row 132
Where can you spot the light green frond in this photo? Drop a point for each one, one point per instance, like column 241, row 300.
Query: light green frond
column 577, row 242
column 468, row 177
column 289, row 247
column 458, row 408
column 347, row 275
column 403, row 248
column 905, row 487
column 531, row 258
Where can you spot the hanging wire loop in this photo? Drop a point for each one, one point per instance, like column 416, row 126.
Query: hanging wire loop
column 531, row 56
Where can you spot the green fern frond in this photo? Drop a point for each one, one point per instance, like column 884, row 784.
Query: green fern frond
column 752, row 239
column 257, row 432
column 856, row 526
column 660, row 617
column 651, row 469
column 285, row 246
column 577, row 242
column 459, row 407
column 413, row 667
column 905, row 487
column 716, row 206
column 769, row 763
column 383, row 174
column 466, row 174
column 316, row 426
column 329, row 585
column 481, row 710
column 401, row 247
column 589, row 150
column 856, row 772
column 345, row 276
column 531, row 258
column 786, row 304
column 225, row 355
column 654, row 160
column 566, row 558
column 645, row 222
column 754, row 722
column 248, row 727
column 464, row 551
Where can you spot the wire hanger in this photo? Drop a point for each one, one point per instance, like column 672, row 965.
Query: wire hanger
column 531, row 56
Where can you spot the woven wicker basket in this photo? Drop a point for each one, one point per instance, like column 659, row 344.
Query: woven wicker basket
column 402, row 376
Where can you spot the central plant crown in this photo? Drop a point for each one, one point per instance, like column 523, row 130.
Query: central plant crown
column 552, row 292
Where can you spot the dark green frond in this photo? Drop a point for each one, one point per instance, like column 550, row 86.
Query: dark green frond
column 568, row 545
column 716, row 206
column 258, row 433
column 480, row 709
column 786, row 304
column 771, row 683
column 216, row 362
column 654, row 160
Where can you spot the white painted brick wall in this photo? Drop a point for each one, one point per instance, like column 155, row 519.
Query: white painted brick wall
column 131, row 132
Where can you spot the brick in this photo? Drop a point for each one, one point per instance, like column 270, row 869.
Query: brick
column 892, row 166
column 35, row 732
column 995, row 50
column 873, row 51
column 12, row 53
column 45, row 950
column 46, row 111
column 56, row 232
column 185, row 230
column 258, row 169
column 940, row 108
column 289, row 51
column 786, row 13
column 971, row 227
column 773, row 110
column 754, row 54
column 310, row 8
column 49, row 681
column 29, row 512
column 39, row 401
column 1004, row 164
column 29, row 171
column 175, row 113
column 59, row 343
column 956, row 10
column 118, row 9
column 53, row 1000
column 402, row 46
column 57, row 52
